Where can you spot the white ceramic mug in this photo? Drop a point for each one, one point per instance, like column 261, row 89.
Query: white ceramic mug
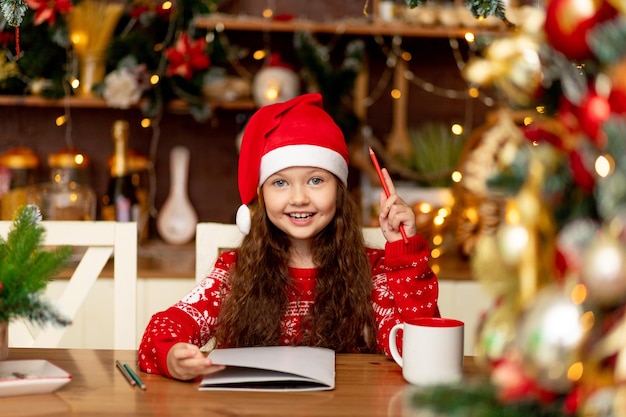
column 432, row 350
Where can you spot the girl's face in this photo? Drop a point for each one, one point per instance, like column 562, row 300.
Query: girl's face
column 300, row 201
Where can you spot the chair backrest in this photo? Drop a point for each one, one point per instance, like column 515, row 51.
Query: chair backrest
column 100, row 240
column 373, row 237
column 213, row 238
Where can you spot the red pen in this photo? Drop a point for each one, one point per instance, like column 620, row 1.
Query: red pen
column 385, row 188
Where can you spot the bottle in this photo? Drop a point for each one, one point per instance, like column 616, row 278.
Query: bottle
column 120, row 202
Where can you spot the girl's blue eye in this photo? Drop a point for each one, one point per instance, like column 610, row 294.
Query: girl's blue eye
column 316, row 181
column 280, row 183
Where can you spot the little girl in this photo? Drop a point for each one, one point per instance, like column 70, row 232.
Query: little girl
column 302, row 275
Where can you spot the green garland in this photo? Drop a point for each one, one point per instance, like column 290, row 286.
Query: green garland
column 26, row 269
column 335, row 83
column 479, row 399
column 479, row 8
column 13, row 11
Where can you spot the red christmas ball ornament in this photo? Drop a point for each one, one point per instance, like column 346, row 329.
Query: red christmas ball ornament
column 587, row 116
column 568, row 22
column 592, row 113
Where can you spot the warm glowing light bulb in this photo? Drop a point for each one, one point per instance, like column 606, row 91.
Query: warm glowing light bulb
column 272, row 92
column 259, row 54
column 604, row 165
column 79, row 40
column 60, row 121
column 154, row 79
column 166, row 5
column 79, row 159
column 268, row 13
column 575, row 372
column 457, row 129
column 424, row 208
column 473, row 92
column 396, row 94
column 146, row 123
column 469, row 37
column 457, row 176
column 587, row 320
column 74, row 82
column 579, row 294
column 512, row 215
column 471, row 214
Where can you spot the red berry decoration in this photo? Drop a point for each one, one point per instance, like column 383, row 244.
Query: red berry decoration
column 568, row 21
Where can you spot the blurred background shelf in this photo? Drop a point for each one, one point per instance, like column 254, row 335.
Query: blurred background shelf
column 99, row 103
column 340, row 27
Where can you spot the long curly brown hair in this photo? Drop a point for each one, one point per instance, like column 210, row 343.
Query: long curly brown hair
column 342, row 316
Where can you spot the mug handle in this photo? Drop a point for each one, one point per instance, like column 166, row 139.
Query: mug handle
column 393, row 346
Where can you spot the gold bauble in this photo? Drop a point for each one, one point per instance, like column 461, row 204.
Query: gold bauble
column 549, row 338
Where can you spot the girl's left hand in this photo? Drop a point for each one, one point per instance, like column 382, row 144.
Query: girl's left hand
column 395, row 212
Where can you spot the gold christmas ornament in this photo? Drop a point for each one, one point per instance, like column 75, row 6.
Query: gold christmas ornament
column 513, row 66
column 512, row 241
column 603, row 271
column 496, row 333
column 549, row 337
column 497, row 278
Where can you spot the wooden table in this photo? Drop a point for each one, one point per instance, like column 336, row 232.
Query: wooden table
column 366, row 385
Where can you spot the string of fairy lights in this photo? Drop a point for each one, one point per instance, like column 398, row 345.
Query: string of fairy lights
column 390, row 48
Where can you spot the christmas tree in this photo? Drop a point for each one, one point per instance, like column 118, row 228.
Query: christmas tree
column 554, row 342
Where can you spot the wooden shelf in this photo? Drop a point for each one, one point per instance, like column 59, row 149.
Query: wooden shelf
column 344, row 27
column 36, row 101
column 98, row 103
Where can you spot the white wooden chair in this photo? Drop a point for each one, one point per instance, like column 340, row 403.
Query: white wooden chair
column 213, row 238
column 101, row 241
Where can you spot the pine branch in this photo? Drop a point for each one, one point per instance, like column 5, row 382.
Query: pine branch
column 608, row 41
column 334, row 83
column 13, row 11
column 26, row 269
column 479, row 399
column 479, row 8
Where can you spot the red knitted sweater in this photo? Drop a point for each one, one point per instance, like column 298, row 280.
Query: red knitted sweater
column 404, row 287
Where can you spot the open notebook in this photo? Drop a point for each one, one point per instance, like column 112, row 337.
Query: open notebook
column 272, row 368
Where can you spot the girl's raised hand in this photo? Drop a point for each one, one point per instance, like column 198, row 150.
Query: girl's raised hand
column 185, row 362
column 395, row 212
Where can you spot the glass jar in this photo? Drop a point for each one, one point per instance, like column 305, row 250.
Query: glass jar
column 20, row 166
column 68, row 195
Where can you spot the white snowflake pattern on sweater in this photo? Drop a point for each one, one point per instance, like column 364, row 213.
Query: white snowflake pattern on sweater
column 404, row 287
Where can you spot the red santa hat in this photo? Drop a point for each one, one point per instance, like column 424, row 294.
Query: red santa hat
column 297, row 132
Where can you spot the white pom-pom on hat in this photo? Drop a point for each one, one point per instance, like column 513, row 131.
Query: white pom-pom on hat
column 243, row 219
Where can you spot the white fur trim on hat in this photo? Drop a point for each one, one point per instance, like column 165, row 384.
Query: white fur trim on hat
column 243, row 219
column 303, row 156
